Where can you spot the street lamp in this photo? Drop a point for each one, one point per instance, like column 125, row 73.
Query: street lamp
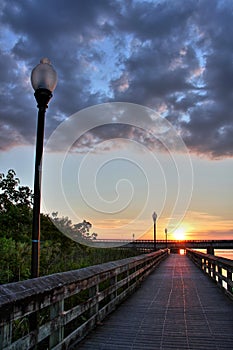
column 166, row 236
column 154, row 217
column 44, row 81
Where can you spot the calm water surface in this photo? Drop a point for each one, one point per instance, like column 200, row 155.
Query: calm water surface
column 224, row 253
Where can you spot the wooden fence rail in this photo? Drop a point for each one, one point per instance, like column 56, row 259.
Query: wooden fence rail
column 219, row 269
column 53, row 312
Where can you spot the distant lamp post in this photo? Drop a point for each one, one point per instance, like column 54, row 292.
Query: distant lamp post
column 154, row 217
column 166, row 236
column 44, row 81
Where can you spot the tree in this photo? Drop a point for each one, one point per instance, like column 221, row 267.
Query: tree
column 15, row 208
column 78, row 232
column 15, row 261
column 58, row 251
column 13, row 194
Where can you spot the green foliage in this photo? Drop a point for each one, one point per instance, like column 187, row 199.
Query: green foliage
column 15, row 208
column 15, row 264
column 77, row 232
column 12, row 193
column 58, row 252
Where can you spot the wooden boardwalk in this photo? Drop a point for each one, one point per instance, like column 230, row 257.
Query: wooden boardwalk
column 177, row 307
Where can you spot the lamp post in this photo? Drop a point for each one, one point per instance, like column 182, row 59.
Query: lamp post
column 154, row 217
column 166, row 236
column 44, row 81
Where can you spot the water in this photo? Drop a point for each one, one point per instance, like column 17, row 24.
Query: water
column 223, row 253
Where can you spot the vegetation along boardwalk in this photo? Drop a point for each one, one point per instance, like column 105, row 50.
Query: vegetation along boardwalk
column 177, row 307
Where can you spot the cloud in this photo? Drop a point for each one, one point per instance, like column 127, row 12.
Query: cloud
column 200, row 224
column 189, row 69
column 174, row 57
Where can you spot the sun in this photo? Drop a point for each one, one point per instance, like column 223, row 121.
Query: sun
column 179, row 234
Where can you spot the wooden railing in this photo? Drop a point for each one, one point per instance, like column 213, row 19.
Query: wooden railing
column 55, row 311
column 219, row 269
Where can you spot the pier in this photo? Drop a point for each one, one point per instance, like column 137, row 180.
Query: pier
column 177, row 307
column 151, row 301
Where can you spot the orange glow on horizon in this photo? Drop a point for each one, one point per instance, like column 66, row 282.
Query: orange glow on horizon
column 196, row 225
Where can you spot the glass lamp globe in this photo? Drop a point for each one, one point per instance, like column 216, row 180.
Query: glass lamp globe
column 44, row 76
column 154, row 216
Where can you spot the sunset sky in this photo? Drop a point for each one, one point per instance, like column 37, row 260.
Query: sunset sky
column 141, row 119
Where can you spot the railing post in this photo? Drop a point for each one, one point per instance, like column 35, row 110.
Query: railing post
column 57, row 336
column 113, row 282
column 209, row 267
column 128, row 277
column 229, row 280
column 93, row 292
column 5, row 335
column 214, row 271
column 34, row 325
column 220, row 275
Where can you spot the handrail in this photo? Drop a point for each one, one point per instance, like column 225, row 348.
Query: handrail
column 127, row 240
column 60, row 309
column 220, row 270
column 162, row 243
column 161, row 240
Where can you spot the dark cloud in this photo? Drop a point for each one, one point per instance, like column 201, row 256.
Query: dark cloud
column 116, row 132
column 186, row 65
column 173, row 56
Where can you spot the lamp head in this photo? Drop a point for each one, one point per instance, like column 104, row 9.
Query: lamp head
column 154, row 216
column 44, row 76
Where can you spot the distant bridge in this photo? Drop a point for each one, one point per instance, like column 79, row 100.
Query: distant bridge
column 174, row 245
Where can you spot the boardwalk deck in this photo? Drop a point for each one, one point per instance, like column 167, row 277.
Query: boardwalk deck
column 177, row 307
